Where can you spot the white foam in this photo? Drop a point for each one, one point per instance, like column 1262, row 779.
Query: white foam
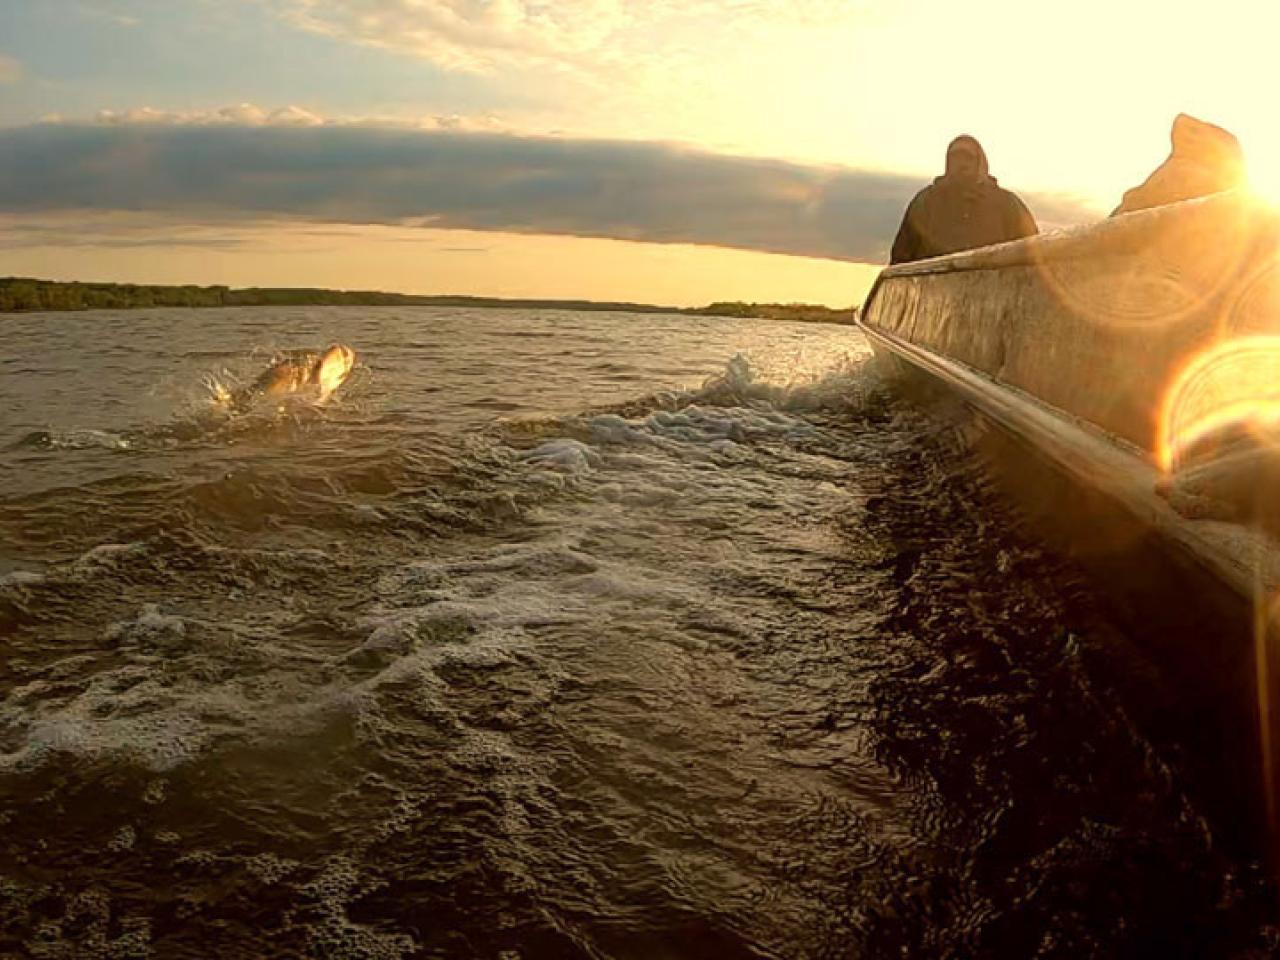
column 105, row 557
column 22, row 578
column 621, row 584
column 334, row 934
column 564, row 455
column 150, row 628
column 269, row 868
column 587, row 564
column 540, row 558
column 87, row 439
column 157, row 741
column 123, row 839
column 611, row 428
column 173, row 701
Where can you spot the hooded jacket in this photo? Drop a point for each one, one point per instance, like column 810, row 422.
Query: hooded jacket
column 957, row 214
column 1205, row 159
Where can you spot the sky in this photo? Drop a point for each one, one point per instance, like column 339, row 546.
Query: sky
column 664, row 151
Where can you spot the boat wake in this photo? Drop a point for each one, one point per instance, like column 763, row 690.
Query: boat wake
column 759, row 667
column 222, row 408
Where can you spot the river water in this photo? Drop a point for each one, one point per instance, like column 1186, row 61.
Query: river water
column 554, row 634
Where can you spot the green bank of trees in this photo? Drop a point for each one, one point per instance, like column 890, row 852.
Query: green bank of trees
column 24, row 294
column 21, row 294
column 794, row 312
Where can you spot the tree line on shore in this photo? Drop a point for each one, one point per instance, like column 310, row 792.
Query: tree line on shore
column 20, row 294
column 795, row 312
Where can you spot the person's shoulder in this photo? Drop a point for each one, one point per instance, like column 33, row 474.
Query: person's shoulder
column 923, row 194
column 1008, row 195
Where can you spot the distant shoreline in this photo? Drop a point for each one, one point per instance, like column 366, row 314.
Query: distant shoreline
column 27, row 295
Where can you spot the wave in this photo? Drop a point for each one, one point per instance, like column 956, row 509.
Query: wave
column 660, row 652
column 364, row 507
column 73, row 439
column 204, row 414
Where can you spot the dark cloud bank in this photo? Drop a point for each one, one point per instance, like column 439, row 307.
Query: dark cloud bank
column 625, row 190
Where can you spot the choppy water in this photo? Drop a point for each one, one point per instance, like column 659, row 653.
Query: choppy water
column 553, row 635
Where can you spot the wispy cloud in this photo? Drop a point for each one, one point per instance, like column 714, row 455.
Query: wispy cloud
column 101, row 12
column 351, row 173
column 118, row 230
column 479, row 36
column 243, row 114
column 251, row 115
column 10, row 69
column 463, row 34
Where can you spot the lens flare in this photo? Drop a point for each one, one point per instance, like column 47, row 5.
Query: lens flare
column 1158, row 269
column 1264, row 179
column 1232, row 387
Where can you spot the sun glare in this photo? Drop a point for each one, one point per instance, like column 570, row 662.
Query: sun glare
column 1262, row 156
column 1234, row 383
column 1264, row 183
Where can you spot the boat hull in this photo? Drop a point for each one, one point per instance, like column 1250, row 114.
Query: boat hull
column 1064, row 348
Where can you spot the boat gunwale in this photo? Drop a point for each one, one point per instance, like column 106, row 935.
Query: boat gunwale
column 1238, row 556
column 1118, row 234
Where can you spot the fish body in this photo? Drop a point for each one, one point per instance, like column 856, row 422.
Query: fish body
column 299, row 371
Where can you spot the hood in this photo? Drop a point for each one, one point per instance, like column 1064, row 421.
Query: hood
column 1194, row 139
column 984, row 174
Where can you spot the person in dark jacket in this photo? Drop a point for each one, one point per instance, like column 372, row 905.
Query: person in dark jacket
column 962, row 209
column 1205, row 159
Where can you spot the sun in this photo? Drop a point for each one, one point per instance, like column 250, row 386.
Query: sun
column 1262, row 155
column 1264, row 184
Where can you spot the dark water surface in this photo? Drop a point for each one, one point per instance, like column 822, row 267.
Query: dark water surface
column 554, row 635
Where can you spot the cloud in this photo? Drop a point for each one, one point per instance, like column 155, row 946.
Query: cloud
column 480, row 35
column 243, row 114
column 10, row 69
column 251, row 115
column 465, row 34
column 119, row 230
column 352, row 173
column 98, row 13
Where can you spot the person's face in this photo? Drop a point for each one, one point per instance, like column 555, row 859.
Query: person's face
column 962, row 162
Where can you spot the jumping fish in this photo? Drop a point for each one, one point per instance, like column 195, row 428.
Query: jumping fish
column 298, row 371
